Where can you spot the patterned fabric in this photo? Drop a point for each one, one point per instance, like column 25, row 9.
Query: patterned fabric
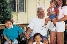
column 13, row 42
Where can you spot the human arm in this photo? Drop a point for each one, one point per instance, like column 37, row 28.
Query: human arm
column 5, row 36
column 65, row 15
column 62, row 19
column 19, row 29
column 57, row 12
column 22, row 32
column 53, row 12
column 27, row 33
column 7, row 40
column 30, row 27
column 50, row 12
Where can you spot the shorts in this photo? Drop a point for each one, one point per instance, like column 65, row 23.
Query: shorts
column 52, row 16
column 42, row 37
column 60, row 26
column 52, row 27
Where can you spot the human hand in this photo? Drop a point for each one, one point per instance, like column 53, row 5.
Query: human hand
column 27, row 35
column 48, row 10
column 50, row 7
column 9, row 42
column 57, row 20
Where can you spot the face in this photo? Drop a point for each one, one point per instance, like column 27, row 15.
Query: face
column 40, row 13
column 52, row 4
column 38, row 39
column 59, row 2
column 8, row 24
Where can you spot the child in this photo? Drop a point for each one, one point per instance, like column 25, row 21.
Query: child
column 37, row 38
column 53, row 13
column 11, row 32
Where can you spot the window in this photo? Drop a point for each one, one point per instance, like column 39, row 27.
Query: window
column 18, row 5
column 13, row 5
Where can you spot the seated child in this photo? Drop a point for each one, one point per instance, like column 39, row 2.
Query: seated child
column 53, row 13
column 11, row 32
column 37, row 38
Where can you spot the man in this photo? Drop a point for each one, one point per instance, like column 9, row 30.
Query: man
column 36, row 26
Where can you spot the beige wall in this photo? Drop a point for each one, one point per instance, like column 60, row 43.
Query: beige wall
column 14, row 17
column 47, row 4
column 31, row 9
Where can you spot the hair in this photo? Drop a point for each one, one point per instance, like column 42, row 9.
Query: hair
column 53, row 1
column 40, row 7
column 9, row 19
column 36, row 34
column 64, row 3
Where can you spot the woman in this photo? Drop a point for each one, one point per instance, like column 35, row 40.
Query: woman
column 60, row 24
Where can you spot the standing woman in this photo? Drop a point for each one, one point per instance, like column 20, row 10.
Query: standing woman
column 60, row 24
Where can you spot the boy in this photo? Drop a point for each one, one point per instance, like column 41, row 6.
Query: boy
column 11, row 32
